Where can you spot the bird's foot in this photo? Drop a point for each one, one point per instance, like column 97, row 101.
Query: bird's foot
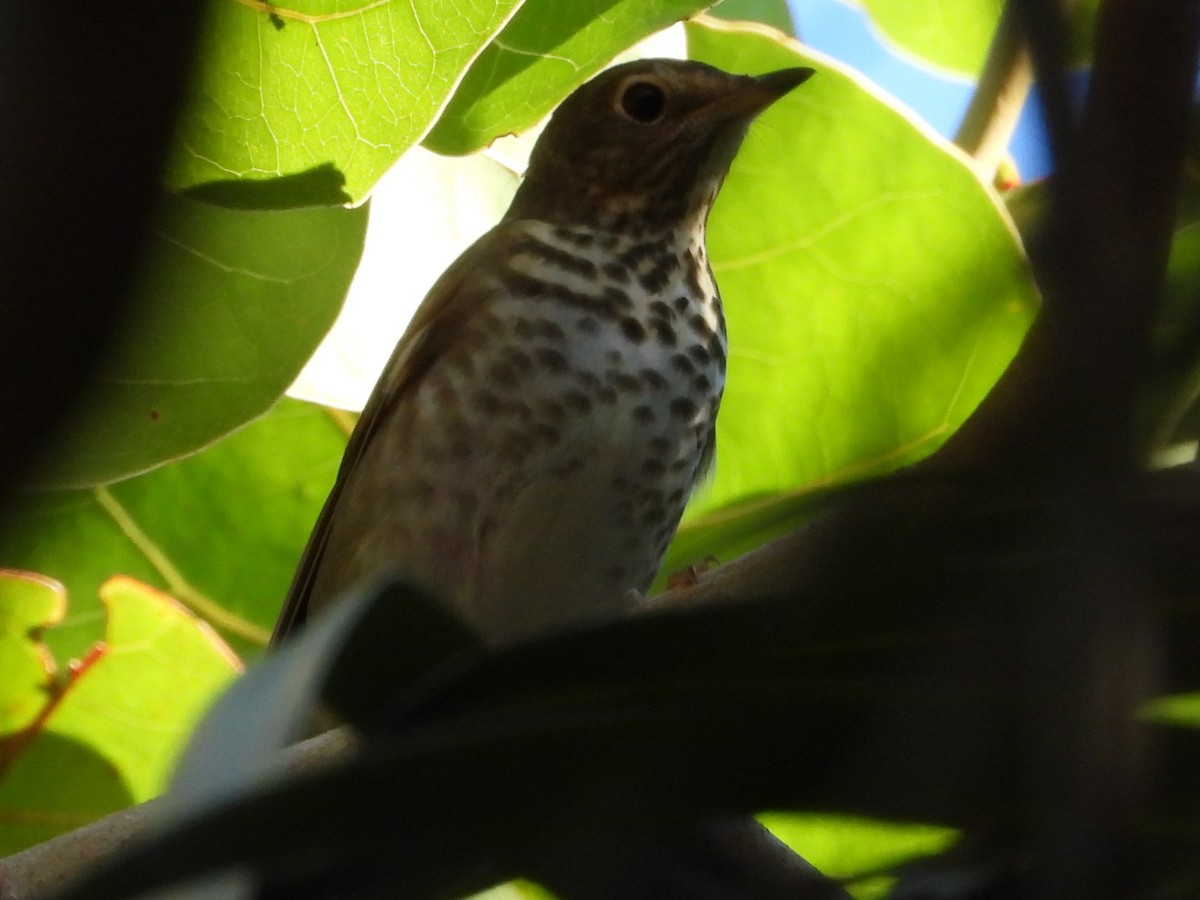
column 689, row 576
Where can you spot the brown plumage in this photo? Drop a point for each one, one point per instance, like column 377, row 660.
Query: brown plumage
column 531, row 445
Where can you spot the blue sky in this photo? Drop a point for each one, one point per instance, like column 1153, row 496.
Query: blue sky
column 843, row 31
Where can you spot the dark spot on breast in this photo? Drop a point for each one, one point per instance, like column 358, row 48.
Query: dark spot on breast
column 607, row 395
column 659, row 275
column 653, row 468
column 700, row 354
column 654, row 379
column 518, row 359
column 517, row 443
column 675, row 497
column 521, row 285
column 578, row 238
column 701, row 384
column 660, row 310
column 517, row 409
column 577, row 401
column 547, row 433
column 643, row 415
column 555, row 257
column 616, row 272
column 551, row 331
column 522, row 327
column 700, row 325
column 421, row 490
column 476, row 340
column 635, row 254
column 664, row 333
column 717, row 350
column 653, row 516
column 681, row 304
column 683, row 408
column 617, row 299
column 680, row 363
column 659, row 444
column 587, row 379
column 463, row 361
column 633, row 329
column 553, row 410
column 654, row 280
column 587, row 324
column 485, row 401
column 551, row 359
column 624, row 381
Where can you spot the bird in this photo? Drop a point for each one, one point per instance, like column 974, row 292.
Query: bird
column 528, row 451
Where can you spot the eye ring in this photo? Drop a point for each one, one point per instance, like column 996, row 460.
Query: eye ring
column 642, row 101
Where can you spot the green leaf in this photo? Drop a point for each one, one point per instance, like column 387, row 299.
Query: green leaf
column 846, row 847
column 109, row 736
column 775, row 13
column 547, row 50
column 221, row 530
column 158, row 671
column 956, row 36
column 844, row 242
column 57, row 785
column 1179, row 710
column 28, row 604
column 230, row 305
column 324, row 83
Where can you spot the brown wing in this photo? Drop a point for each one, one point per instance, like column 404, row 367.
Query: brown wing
column 450, row 302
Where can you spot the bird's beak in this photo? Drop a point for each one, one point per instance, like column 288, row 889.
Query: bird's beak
column 779, row 83
column 763, row 90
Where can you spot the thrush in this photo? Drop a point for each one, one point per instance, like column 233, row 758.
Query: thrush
column 531, row 445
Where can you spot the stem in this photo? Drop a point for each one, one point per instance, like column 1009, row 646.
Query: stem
column 991, row 117
column 177, row 585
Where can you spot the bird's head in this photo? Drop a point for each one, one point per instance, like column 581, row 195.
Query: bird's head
column 644, row 144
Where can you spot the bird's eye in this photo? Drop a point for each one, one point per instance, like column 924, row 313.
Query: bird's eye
column 643, row 102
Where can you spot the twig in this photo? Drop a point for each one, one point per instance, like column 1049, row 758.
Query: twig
column 991, row 117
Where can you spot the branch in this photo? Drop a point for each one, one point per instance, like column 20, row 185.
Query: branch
column 1065, row 406
column 991, row 117
column 44, row 870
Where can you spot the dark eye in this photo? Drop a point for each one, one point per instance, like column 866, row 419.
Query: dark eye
column 643, row 101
